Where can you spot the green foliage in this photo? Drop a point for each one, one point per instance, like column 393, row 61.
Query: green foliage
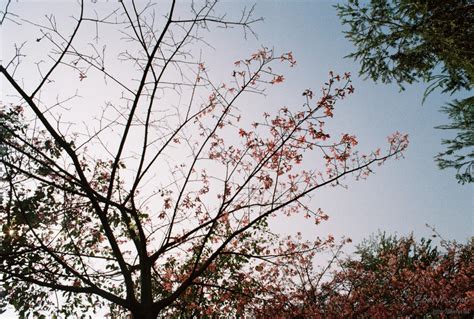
column 29, row 211
column 406, row 41
column 3, row 301
column 373, row 250
column 460, row 150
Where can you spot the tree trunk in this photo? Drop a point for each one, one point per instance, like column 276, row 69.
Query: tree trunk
column 143, row 314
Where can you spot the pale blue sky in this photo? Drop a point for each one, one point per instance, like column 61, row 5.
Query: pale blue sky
column 403, row 195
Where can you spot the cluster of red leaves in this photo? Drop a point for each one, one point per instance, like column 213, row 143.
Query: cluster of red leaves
column 396, row 286
column 401, row 281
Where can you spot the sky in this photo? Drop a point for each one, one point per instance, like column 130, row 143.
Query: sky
column 403, row 195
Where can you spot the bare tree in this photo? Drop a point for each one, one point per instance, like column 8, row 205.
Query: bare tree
column 158, row 206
